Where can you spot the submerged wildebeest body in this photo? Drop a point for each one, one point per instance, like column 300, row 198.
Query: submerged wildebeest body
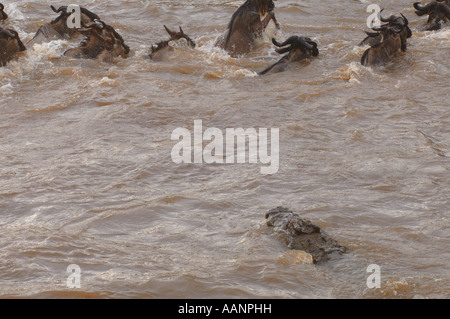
column 300, row 234
column 299, row 48
column 246, row 26
column 3, row 15
column 10, row 45
column 102, row 42
column 58, row 29
column 438, row 13
column 158, row 50
column 387, row 41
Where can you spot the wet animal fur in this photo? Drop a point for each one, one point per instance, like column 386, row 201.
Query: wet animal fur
column 246, row 26
column 438, row 13
column 299, row 49
column 388, row 40
column 102, row 42
column 3, row 15
column 58, row 28
column 159, row 49
column 10, row 45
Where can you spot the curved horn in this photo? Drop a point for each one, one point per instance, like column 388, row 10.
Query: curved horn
column 315, row 50
column 60, row 9
column 97, row 23
column 84, row 25
column 188, row 39
column 1, row 7
column 380, row 29
column 311, row 42
column 288, row 41
column 406, row 26
column 392, row 19
column 88, row 26
column 383, row 19
column 428, row 7
column 173, row 34
column 305, row 44
column 284, row 50
column 405, row 20
column 127, row 48
column 275, row 42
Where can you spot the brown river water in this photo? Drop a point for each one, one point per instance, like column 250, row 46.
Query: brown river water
column 87, row 178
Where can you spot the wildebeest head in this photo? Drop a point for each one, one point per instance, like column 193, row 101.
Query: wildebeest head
column 393, row 25
column 424, row 9
column 246, row 25
column 297, row 49
column 86, row 15
column 429, row 7
column 437, row 11
column 3, row 15
column 101, row 40
column 102, row 35
column 10, row 45
column 180, row 35
column 391, row 38
column 397, row 22
column 11, row 35
column 58, row 27
column 303, row 44
column 60, row 23
column 174, row 36
column 263, row 6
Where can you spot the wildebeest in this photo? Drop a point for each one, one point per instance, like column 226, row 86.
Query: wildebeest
column 246, row 26
column 438, row 13
column 298, row 48
column 101, row 42
column 158, row 50
column 58, row 29
column 3, row 15
column 374, row 38
column 388, row 40
column 10, row 45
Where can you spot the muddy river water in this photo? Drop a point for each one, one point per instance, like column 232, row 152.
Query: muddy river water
column 87, row 176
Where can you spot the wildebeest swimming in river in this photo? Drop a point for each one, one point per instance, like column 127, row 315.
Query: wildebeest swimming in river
column 374, row 38
column 101, row 42
column 10, row 45
column 299, row 48
column 388, row 40
column 163, row 46
column 438, row 13
column 58, row 29
column 246, row 26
